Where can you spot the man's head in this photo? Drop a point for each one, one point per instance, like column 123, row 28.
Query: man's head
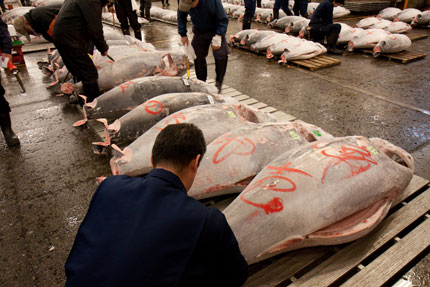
column 186, row 5
column 338, row 2
column 21, row 26
column 179, row 148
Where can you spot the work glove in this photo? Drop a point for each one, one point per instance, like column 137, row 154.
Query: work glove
column 189, row 52
column 216, row 42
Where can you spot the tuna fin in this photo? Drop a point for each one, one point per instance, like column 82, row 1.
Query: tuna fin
column 114, row 127
column 269, row 54
column 67, row 88
column 101, row 145
column 85, row 119
column 91, row 105
column 125, row 157
column 355, row 225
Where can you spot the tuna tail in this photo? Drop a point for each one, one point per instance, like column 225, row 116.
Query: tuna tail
column 394, row 152
column 85, row 120
column 283, row 59
column 172, row 69
column 269, row 54
column 377, row 50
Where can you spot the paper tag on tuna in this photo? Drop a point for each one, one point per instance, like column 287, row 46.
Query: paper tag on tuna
column 317, row 133
column 211, row 100
column 372, row 150
column 293, row 134
column 231, row 114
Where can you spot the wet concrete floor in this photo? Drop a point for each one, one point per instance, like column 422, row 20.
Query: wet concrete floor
column 46, row 184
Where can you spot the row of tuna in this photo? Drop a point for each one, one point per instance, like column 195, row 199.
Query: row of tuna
column 278, row 44
column 291, row 177
column 133, row 59
column 265, row 14
column 380, row 40
column 409, row 15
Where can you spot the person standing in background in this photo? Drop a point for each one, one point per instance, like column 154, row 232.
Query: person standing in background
column 125, row 13
column 5, row 122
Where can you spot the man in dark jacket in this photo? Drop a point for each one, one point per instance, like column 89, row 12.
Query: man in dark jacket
column 148, row 232
column 322, row 25
column 78, row 25
column 209, row 27
column 5, row 123
column 125, row 13
column 38, row 21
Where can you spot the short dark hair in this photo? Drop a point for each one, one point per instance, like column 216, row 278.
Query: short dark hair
column 342, row 2
column 178, row 144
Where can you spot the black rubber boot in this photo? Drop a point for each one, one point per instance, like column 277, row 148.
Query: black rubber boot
column 125, row 32
column 91, row 91
column 275, row 14
column 246, row 24
column 6, row 128
column 148, row 14
column 220, row 69
column 201, row 69
column 332, row 44
column 138, row 34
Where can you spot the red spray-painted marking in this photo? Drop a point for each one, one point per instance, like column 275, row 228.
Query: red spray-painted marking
column 153, row 107
column 245, row 144
column 357, row 158
column 125, row 85
column 173, row 119
column 272, row 183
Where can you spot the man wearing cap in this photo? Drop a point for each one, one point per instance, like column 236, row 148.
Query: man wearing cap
column 322, row 26
column 38, row 21
column 209, row 27
column 78, row 25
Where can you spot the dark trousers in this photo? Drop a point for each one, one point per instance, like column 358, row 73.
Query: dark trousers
column 82, row 68
column 201, row 43
column 145, row 4
column 300, row 8
column 249, row 9
column 284, row 5
column 4, row 105
column 125, row 14
column 319, row 32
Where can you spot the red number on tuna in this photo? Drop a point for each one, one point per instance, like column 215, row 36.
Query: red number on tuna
column 359, row 159
column 173, row 119
column 126, row 85
column 153, row 107
column 241, row 146
column 274, row 182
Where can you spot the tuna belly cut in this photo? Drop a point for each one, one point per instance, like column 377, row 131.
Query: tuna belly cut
column 346, row 230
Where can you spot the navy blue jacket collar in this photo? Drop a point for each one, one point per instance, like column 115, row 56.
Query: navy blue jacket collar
column 168, row 176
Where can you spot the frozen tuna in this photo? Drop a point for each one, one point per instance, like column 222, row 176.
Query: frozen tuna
column 329, row 192
column 234, row 159
column 409, row 15
column 213, row 120
column 392, row 43
column 368, row 39
column 134, row 123
column 389, row 13
column 127, row 96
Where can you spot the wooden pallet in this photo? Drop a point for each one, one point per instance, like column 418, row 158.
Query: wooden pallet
column 313, row 64
column 317, row 63
column 403, row 57
column 377, row 259
column 414, row 36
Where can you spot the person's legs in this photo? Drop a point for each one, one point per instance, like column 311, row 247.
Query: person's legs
column 276, row 8
column 132, row 17
column 285, row 7
column 221, row 59
column 148, row 5
column 201, row 43
column 303, row 8
column 5, row 122
column 121, row 13
column 332, row 34
column 249, row 14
